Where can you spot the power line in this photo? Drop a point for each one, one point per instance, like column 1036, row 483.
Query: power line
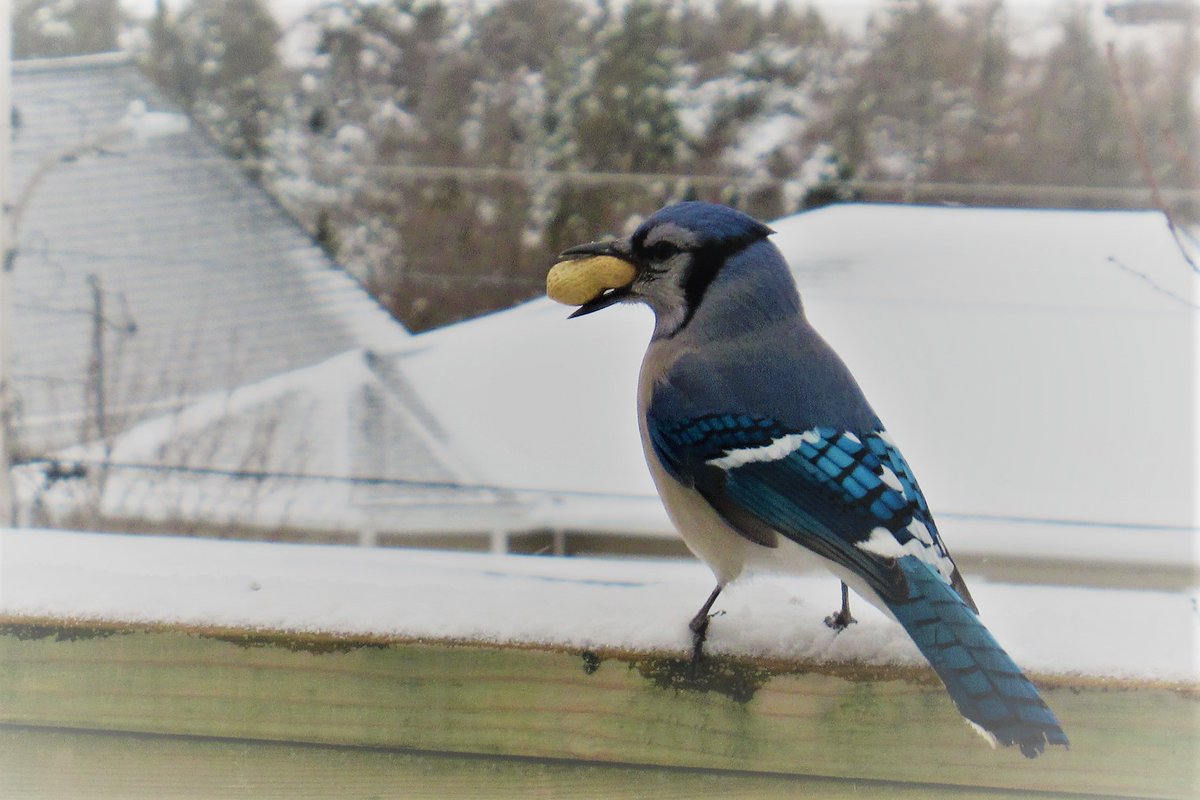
column 910, row 189
column 59, row 469
column 444, row 279
column 66, row 469
column 904, row 188
column 531, row 283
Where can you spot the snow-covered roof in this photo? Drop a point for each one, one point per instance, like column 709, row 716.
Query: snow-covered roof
column 343, row 445
column 204, row 282
column 1035, row 366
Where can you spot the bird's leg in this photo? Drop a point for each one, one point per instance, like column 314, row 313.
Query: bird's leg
column 699, row 625
column 841, row 620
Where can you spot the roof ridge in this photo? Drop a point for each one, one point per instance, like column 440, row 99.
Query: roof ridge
column 111, row 58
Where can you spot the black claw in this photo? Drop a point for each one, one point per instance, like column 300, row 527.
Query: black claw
column 840, row 621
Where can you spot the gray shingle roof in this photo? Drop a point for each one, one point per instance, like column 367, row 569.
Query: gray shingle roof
column 205, row 282
column 337, row 446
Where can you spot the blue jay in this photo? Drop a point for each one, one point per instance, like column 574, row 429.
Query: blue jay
column 767, row 454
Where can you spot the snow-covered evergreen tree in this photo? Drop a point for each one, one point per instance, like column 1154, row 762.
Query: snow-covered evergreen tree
column 445, row 151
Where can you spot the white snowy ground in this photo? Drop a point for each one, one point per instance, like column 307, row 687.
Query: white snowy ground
column 633, row 605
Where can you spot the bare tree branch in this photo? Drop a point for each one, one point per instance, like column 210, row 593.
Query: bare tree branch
column 1143, row 155
column 1153, row 284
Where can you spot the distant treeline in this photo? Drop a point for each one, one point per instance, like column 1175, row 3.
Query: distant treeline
column 444, row 151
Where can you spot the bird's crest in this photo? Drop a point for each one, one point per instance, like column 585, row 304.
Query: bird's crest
column 705, row 224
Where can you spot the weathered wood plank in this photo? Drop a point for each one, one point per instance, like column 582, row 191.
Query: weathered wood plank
column 40, row 763
column 801, row 719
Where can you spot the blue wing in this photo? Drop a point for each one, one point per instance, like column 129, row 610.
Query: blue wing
column 851, row 497
column 828, row 490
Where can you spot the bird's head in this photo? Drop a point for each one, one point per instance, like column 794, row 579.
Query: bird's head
column 669, row 263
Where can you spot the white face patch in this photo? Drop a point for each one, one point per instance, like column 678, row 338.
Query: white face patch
column 884, row 543
column 662, row 284
column 666, row 296
column 777, row 449
column 682, row 238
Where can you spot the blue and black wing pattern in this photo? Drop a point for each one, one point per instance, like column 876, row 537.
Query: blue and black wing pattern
column 852, row 498
column 828, row 490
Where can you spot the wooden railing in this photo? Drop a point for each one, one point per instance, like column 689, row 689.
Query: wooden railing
column 186, row 709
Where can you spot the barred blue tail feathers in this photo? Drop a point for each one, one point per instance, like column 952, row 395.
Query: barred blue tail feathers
column 987, row 686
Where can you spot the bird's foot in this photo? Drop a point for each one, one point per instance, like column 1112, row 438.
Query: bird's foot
column 840, row 620
column 699, row 628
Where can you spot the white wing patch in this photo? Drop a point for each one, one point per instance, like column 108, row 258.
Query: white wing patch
column 779, row 448
column 884, row 543
column 888, row 476
column 921, row 531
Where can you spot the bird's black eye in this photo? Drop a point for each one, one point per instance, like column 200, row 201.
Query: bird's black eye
column 662, row 250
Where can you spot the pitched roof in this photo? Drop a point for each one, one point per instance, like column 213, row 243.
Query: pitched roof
column 336, row 446
column 202, row 281
column 1042, row 392
column 1033, row 365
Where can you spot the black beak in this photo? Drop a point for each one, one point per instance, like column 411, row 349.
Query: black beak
column 610, row 297
column 612, row 247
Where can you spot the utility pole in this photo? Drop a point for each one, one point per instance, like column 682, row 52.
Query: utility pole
column 7, row 252
column 96, row 378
